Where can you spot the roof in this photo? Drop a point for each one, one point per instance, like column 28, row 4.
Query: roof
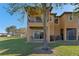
column 65, row 13
column 61, row 14
column 53, row 13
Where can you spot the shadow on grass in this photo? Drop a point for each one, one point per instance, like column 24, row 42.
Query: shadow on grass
column 21, row 48
column 64, row 43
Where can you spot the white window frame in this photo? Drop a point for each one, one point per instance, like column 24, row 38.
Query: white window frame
column 34, row 33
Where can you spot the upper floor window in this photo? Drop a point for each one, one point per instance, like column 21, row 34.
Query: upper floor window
column 35, row 19
column 38, row 19
column 56, row 20
column 31, row 19
column 50, row 18
column 70, row 17
column 38, row 35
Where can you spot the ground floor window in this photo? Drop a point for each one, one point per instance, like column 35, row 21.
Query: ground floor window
column 38, row 35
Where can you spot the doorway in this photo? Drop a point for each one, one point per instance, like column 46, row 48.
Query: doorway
column 61, row 33
column 71, row 33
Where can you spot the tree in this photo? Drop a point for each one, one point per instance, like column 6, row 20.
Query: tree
column 11, row 30
column 76, row 9
column 7, row 30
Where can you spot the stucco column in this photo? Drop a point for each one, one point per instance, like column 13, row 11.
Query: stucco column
column 76, row 34
column 65, row 34
column 48, row 38
column 48, row 34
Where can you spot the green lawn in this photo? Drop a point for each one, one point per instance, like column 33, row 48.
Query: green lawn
column 17, row 46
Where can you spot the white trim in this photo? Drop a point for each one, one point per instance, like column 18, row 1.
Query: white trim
column 34, row 33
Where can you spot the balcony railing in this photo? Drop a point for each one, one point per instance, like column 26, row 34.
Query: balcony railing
column 35, row 21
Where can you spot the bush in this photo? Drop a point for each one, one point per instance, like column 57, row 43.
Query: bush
column 3, row 36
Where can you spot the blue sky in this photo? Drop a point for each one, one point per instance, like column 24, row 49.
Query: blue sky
column 7, row 20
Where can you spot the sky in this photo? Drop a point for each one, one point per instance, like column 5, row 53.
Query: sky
column 7, row 20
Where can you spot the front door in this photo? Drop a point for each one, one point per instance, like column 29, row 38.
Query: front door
column 71, row 34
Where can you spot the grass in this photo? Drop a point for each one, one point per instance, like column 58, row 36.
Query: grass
column 19, row 47
column 16, row 46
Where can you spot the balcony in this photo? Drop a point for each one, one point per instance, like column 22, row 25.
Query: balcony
column 35, row 24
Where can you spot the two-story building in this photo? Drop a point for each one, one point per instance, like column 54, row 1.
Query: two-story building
column 63, row 27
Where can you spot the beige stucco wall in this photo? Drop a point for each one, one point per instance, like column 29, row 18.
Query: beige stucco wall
column 54, row 29
column 66, row 23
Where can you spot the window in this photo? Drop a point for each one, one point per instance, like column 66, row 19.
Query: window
column 31, row 19
column 50, row 18
column 38, row 35
column 56, row 21
column 70, row 17
column 38, row 19
column 41, row 35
